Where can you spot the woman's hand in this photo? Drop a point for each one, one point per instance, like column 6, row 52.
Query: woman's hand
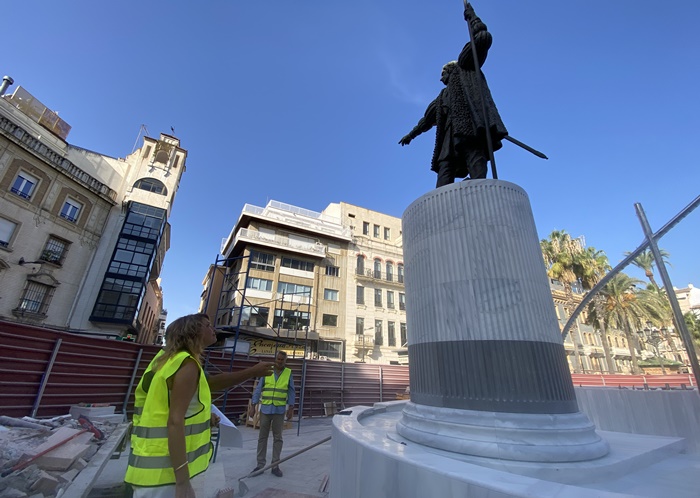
column 215, row 419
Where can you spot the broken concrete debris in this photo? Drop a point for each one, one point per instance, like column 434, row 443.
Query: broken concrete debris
column 26, row 472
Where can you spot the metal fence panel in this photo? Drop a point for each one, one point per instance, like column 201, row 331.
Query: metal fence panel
column 95, row 370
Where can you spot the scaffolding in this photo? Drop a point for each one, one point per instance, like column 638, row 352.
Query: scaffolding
column 233, row 306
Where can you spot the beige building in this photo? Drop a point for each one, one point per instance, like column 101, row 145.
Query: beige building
column 375, row 320
column 586, row 352
column 82, row 235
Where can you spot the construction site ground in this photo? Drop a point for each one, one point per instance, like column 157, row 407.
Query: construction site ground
column 305, row 475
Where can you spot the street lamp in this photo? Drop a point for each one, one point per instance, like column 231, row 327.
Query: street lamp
column 652, row 336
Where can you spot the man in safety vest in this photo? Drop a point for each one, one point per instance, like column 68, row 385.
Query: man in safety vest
column 276, row 395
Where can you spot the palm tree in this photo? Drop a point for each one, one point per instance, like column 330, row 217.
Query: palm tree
column 692, row 321
column 627, row 308
column 560, row 253
column 591, row 266
column 646, row 262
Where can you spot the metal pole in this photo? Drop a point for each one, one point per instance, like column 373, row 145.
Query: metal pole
column 45, row 377
column 477, row 72
column 678, row 319
column 342, row 385
column 604, row 281
column 131, row 381
column 301, row 395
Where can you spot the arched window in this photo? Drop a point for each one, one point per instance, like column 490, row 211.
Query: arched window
column 399, row 268
column 389, row 271
column 360, row 264
column 377, row 268
column 151, row 185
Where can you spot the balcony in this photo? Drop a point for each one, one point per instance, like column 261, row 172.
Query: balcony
column 364, row 341
column 280, row 242
column 366, row 273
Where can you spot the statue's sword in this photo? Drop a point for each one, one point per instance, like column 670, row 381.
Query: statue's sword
column 524, row 146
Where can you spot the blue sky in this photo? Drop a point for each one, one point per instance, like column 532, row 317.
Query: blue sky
column 304, row 102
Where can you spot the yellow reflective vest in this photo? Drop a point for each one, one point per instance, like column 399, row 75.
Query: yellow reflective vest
column 274, row 391
column 149, row 461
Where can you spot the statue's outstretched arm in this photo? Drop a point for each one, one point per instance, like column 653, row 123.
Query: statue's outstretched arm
column 482, row 41
column 426, row 122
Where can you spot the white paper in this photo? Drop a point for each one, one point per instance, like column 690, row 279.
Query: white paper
column 229, row 435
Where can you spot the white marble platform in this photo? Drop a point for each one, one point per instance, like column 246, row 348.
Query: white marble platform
column 370, row 459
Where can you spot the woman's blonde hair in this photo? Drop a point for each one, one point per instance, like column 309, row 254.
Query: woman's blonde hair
column 184, row 334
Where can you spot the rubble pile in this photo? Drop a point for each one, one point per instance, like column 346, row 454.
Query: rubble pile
column 29, row 466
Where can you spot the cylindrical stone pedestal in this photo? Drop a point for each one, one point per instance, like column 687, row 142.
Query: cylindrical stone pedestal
column 488, row 370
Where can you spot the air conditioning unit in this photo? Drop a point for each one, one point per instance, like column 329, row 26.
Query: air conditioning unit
column 324, row 358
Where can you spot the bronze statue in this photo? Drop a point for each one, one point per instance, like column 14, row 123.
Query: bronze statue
column 462, row 113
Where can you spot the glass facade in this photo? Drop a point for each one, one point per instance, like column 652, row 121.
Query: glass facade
column 127, row 274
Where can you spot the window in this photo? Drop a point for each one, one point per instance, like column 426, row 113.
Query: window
column 262, row 261
column 144, row 221
column 255, row 316
column 389, row 271
column 291, row 319
column 132, row 258
column 400, row 270
column 7, row 230
column 390, row 299
column 332, row 271
column 330, row 349
column 360, row 264
column 402, row 301
column 330, row 295
column 376, row 231
column 377, row 268
column 24, row 185
column 71, row 210
column 387, row 233
column 378, row 297
column 391, row 331
column 118, row 299
column 151, row 185
column 404, row 336
column 259, row 284
column 360, row 295
column 35, row 298
column 378, row 338
column 55, row 250
column 296, row 289
column 330, row 320
column 365, row 228
column 359, row 325
column 297, row 264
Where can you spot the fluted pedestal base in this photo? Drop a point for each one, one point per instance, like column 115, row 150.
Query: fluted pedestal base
column 488, row 371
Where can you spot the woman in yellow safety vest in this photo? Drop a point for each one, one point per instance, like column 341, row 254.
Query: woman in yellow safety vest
column 171, row 439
